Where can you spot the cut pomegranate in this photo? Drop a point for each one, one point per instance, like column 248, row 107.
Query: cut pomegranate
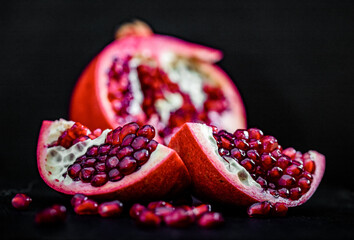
column 52, row 215
column 155, row 79
column 108, row 165
column 239, row 171
column 21, row 201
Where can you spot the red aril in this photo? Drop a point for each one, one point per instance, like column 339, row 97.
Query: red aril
column 101, row 166
column 158, row 80
column 21, row 201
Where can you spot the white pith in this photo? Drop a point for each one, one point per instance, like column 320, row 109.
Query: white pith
column 60, row 158
column 232, row 166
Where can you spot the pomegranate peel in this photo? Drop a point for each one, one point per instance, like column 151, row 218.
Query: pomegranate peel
column 163, row 174
column 213, row 178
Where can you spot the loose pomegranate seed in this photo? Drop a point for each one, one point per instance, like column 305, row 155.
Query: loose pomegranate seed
column 211, row 220
column 260, row 209
column 99, row 179
column 86, row 207
column 127, row 165
column 78, row 199
column 163, row 211
column 179, row 218
column 201, row 209
column 52, row 215
column 279, row 210
column 154, row 205
column 21, row 201
column 135, row 210
column 255, row 133
column 74, row 170
column 114, row 175
column 147, row 131
column 110, row 209
column 148, row 218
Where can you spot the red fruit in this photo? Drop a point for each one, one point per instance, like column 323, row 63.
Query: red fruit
column 135, row 210
column 78, row 199
column 103, row 167
column 201, row 209
column 260, row 209
column 158, row 80
column 179, row 218
column 52, row 215
column 157, row 204
column 279, row 210
column 237, row 179
column 110, row 209
column 211, row 220
column 148, row 218
column 86, row 207
column 21, row 201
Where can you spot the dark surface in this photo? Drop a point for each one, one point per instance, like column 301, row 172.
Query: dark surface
column 292, row 61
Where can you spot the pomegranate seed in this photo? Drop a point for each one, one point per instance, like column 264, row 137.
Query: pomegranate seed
column 125, row 151
column 179, row 218
column 261, row 181
column 112, row 162
column 279, row 210
column 248, row 164
column 253, row 154
column 21, row 201
column 154, row 205
column 241, row 134
column 309, row 166
column 238, row 153
column 78, row 199
column 92, row 151
column 273, row 192
column 215, row 129
column 289, row 152
column 86, row 174
column 139, row 142
column 225, row 143
column 269, row 143
column 283, row 162
column 286, row 181
column 260, row 209
column 241, row 144
column 110, row 209
column 295, row 193
column 148, row 219
column 130, row 128
column 97, row 132
column 128, row 140
column 267, row 161
column 141, row 156
column 99, row 179
column 256, row 145
column 135, row 210
column 275, row 172
column 224, row 152
column 104, row 149
column 74, row 170
column 152, row 145
column 163, row 211
column 284, row 192
column 211, row 220
column 304, row 184
column 307, row 175
column 147, row 131
column 80, row 159
column 127, row 165
column 100, row 167
column 114, row 175
column 255, row 133
column 276, row 153
column 226, row 135
column 52, row 215
column 294, row 170
column 102, row 159
column 259, row 171
column 114, row 151
column 201, row 209
column 116, row 137
column 86, row 207
column 90, row 162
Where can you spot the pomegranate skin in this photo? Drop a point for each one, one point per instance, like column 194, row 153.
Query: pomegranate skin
column 161, row 176
column 90, row 90
column 217, row 183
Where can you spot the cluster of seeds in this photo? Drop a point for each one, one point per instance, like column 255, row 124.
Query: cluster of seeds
column 286, row 173
column 266, row 209
column 161, row 212
column 124, row 151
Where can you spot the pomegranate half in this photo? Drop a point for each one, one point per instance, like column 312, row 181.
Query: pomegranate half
column 123, row 163
column 246, row 167
column 154, row 79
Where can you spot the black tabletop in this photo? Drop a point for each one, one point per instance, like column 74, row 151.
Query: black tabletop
column 291, row 60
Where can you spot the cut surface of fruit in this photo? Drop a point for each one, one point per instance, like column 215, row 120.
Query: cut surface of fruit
column 125, row 162
column 246, row 166
column 158, row 80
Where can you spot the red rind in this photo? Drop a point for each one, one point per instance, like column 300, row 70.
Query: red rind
column 211, row 180
column 161, row 176
column 89, row 90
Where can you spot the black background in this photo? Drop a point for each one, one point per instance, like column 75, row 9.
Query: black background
column 293, row 62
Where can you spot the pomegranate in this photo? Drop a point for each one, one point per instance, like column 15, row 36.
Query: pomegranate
column 21, row 201
column 51, row 215
column 158, row 80
column 246, row 166
column 124, row 163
